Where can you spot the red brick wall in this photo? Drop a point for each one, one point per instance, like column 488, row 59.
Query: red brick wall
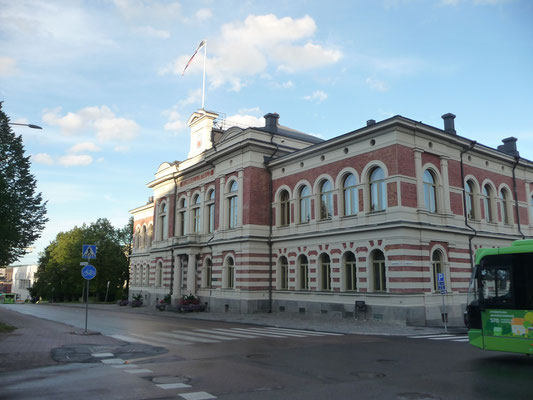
column 256, row 200
column 409, row 196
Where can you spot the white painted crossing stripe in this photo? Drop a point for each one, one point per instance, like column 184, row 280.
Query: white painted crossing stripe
column 173, row 385
column 113, row 361
column 232, row 333
column 299, row 332
column 264, row 330
column 161, row 341
column 461, row 340
column 258, row 333
column 187, row 338
column 445, row 338
column 429, row 336
column 198, row 334
column 103, row 355
column 129, row 339
column 309, row 332
column 197, row 396
column 125, row 366
column 138, row 371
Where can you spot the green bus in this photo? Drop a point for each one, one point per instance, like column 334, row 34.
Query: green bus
column 499, row 309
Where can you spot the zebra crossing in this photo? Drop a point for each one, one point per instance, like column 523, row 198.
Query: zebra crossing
column 217, row 335
column 443, row 336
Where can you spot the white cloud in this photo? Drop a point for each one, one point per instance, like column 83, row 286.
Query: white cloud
column 203, row 14
column 82, row 147
column 245, row 49
column 148, row 10
column 152, row 32
column 318, row 95
column 43, row 158
column 8, row 66
column 72, row 160
column 101, row 119
column 244, row 121
column 375, row 84
column 287, row 85
column 249, row 110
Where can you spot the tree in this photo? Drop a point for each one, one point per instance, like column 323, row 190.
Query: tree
column 22, row 211
column 59, row 274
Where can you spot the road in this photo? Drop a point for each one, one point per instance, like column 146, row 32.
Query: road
column 237, row 361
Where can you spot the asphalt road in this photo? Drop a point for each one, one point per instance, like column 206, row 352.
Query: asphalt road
column 237, row 361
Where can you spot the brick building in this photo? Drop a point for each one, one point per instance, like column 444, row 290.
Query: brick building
column 272, row 219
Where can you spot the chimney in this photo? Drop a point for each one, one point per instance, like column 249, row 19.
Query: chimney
column 509, row 147
column 449, row 125
column 271, row 122
column 370, row 122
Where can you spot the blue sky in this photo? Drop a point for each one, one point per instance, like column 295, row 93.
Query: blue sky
column 103, row 79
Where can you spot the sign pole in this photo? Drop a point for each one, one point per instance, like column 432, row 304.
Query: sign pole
column 445, row 314
column 86, row 307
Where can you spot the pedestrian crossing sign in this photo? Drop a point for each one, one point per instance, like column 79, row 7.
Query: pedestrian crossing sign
column 88, row 251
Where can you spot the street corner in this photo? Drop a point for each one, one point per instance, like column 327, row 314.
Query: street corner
column 88, row 353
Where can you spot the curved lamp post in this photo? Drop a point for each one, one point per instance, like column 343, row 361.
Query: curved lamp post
column 28, row 125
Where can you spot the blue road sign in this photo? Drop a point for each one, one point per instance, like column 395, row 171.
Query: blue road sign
column 88, row 251
column 440, row 283
column 88, row 272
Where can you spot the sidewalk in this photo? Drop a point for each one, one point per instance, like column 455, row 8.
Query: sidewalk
column 326, row 323
column 30, row 345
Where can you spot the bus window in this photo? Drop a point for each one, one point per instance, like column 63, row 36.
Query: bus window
column 495, row 283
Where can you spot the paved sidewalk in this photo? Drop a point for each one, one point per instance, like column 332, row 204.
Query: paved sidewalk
column 327, row 323
column 30, row 345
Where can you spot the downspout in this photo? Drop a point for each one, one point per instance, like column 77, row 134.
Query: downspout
column 517, row 160
column 172, row 250
column 470, row 237
column 270, row 253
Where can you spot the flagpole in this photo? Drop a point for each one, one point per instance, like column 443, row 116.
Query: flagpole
column 203, row 81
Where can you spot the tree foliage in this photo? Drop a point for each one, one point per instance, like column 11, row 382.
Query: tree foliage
column 59, row 274
column 22, row 210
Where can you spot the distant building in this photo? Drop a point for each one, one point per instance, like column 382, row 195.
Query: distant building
column 23, row 278
column 6, row 279
column 272, row 219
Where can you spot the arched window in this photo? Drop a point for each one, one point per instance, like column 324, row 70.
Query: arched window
column 159, row 274
column 487, row 203
column 304, row 201
column 325, row 272
column 140, row 279
column 430, row 191
column 143, row 237
column 379, row 271
column 150, row 235
column 303, row 273
column 137, row 239
column 182, row 217
column 504, row 203
column 326, row 200
column 210, row 208
column 350, row 274
column 470, row 200
column 196, row 226
column 437, row 267
column 284, row 208
column 350, row 196
column 208, row 273
column 283, row 274
column 163, row 221
column 230, row 273
column 233, row 205
column 147, row 275
column 378, row 195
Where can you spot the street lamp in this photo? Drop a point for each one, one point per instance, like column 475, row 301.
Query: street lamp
column 28, row 125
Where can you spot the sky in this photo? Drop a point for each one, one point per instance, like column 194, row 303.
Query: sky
column 104, row 80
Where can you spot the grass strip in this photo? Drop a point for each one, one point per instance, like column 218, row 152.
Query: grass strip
column 5, row 328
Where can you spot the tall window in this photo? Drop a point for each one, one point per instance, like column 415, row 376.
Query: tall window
column 325, row 271
column 210, row 211
column 140, row 280
column 470, row 195
column 150, row 236
column 143, row 237
column 182, row 217
column 284, row 208
column 137, row 239
column 504, row 203
column 326, row 200
column 196, row 227
column 378, row 270
column 147, row 275
column 437, row 267
column 351, row 201
column 163, row 224
column 350, row 273
column 230, row 273
column 283, row 275
column 303, row 273
column 378, row 196
column 305, row 204
column 487, row 203
column 208, row 282
column 159, row 274
column 233, row 205
column 430, row 191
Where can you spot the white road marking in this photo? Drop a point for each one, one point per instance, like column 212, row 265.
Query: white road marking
column 125, row 366
column 103, row 355
column 232, row 333
column 272, row 335
column 197, row 396
column 155, row 341
column 113, row 361
column 173, row 385
column 461, row 340
column 129, row 339
column 207, row 335
column 184, row 337
column 265, row 330
column 138, row 371
column 446, row 338
column 429, row 336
